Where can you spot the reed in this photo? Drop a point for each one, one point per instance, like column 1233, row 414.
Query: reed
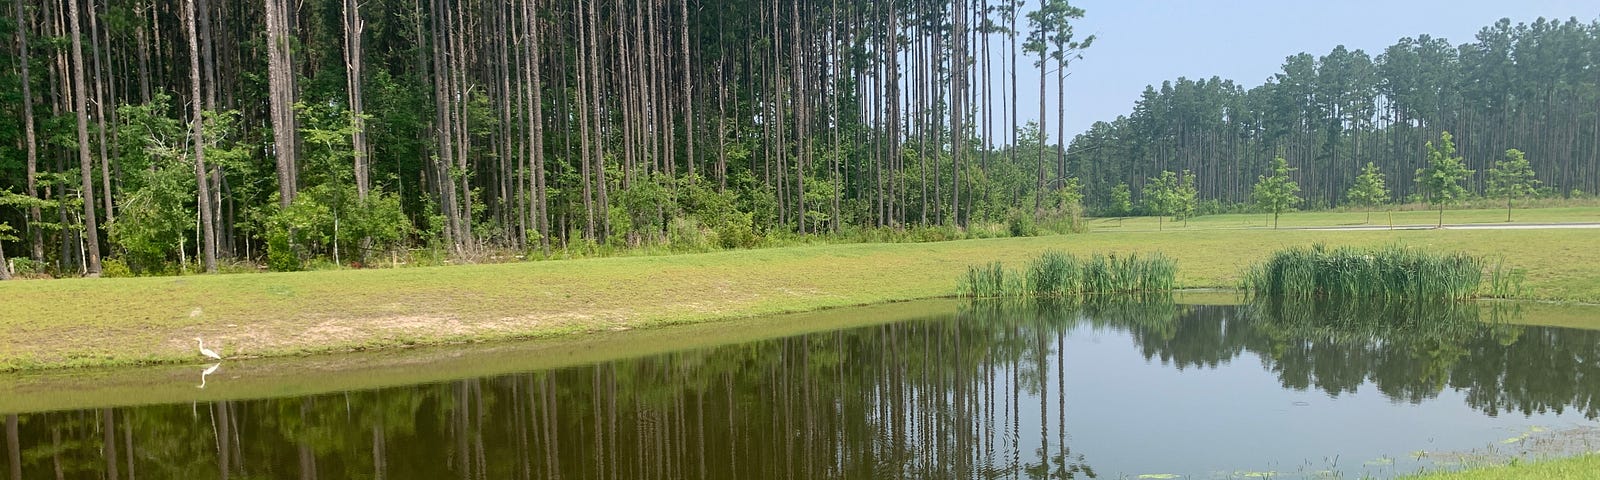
column 1505, row 282
column 1386, row 273
column 1060, row 275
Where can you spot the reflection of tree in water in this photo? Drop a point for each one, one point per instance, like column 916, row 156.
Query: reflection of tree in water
column 941, row 398
column 950, row 397
column 1409, row 352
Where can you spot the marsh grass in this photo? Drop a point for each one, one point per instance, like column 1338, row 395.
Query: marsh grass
column 1055, row 274
column 1506, row 282
column 1353, row 273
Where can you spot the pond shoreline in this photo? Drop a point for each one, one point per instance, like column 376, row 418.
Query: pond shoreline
column 66, row 324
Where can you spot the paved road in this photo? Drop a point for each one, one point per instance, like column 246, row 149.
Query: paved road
column 1467, row 226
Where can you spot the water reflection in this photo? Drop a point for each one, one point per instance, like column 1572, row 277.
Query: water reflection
column 981, row 393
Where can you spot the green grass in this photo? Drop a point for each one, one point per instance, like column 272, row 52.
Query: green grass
column 99, row 322
column 1357, row 273
column 1410, row 215
column 1576, row 468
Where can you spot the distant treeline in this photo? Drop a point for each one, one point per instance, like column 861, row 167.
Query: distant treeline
column 1528, row 86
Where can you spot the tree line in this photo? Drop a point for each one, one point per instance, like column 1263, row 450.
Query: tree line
column 164, row 134
column 1532, row 87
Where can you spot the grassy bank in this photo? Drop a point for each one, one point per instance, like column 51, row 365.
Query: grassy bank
column 1575, row 468
column 86, row 322
column 1332, row 218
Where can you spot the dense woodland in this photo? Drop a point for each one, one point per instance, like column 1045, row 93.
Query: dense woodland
column 177, row 136
column 1534, row 87
column 162, row 133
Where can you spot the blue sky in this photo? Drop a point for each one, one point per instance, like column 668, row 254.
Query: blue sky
column 1146, row 42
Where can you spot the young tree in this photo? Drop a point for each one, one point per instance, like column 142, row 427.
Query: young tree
column 1276, row 192
column 1369, row 190
column 1512, row 178
column 1121, row 201
column 1441, row 179
column 1183, row 198
column 1161, row 196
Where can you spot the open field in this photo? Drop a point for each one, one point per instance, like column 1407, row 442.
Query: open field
column 100, row 322
column 1350, row 218
column 1575, row 468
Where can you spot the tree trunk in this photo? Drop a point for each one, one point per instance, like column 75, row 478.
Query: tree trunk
column 1038, row 192
column 688, row 91
column 281, row 99
column 536, row 127
column 35, row 216
column 208, row 244
column 80, row 100
column 5, row 265
column 353, row 27
column 13, row 447
column 100, row 114
column 582, row 102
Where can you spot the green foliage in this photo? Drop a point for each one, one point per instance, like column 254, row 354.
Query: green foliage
column 1369, row 190
column 1441, row 180
column 1512, row 178
column 1060, row 275
column 1022, row 224
column 1350, row 273
column 1121, row 201
column 115, row 268
column 157, row 214
column 329, row 220
column 1276, row 192
column 1171, row 194
column 644, row 205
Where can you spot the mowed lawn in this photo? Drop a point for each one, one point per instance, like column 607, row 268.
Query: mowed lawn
column 1350, row 219
column 82, row 322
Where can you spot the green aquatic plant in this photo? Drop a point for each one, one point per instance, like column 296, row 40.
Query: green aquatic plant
column 1392, row 272
column 1060, row 275
column 1505, row 282
column 986, row 281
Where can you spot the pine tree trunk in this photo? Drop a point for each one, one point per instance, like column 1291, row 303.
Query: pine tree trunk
column 353, row 27
column 204, row 201
column 100, row 115
column 688, row 91
column 1038, row 192
column 536, row 127
column 281, row 99
column 35, row 216
column 91, row 227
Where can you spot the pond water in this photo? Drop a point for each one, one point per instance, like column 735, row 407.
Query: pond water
column 1138, row 389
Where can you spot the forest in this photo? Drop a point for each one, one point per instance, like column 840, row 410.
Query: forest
column 1533, row 87
column 178, row 135
column 163, row 137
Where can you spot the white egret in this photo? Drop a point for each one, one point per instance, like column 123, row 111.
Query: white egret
column 209, row 370
column 206, row 351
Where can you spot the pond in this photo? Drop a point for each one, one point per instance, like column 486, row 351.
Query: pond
column 1151, row 388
